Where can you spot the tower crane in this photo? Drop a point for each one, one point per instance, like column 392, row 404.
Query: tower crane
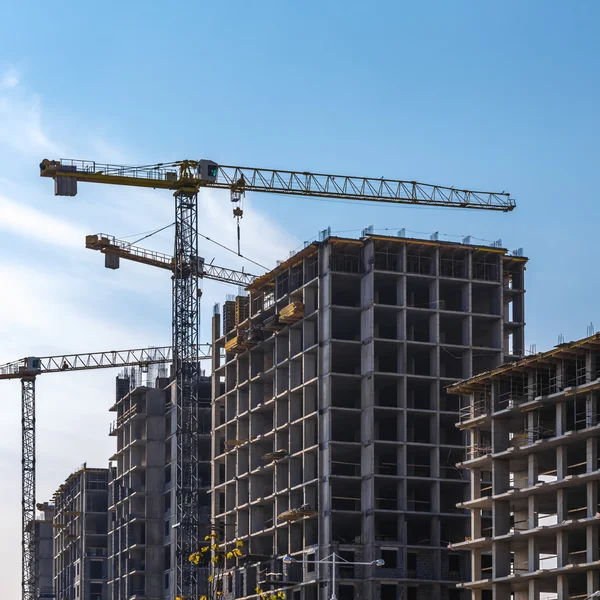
column 185, row 179
column 27, row 369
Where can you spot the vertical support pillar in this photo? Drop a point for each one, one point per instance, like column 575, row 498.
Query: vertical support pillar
column 533, row 555
column 28, row 583
column 562, row 587
column 592, row 497
column 534, row 589
column 561, row 418
column 592, row 582
column 532, row 468
column 562, row 548
column 476, row 565
column 590, row 366
column 591, row 453
column 501, row 591
column 501, row 559
column 215, row 392
column 475, row 476
column 562, row 513
column 532, row 506
column 561, row 462
column 185, row 342
column 591, row 543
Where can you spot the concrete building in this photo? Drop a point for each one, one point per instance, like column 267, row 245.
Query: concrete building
column 137, row 477
column 332, row 428
column 80, row 536
column 534, row 465
column 142, row 487
column 44, row 551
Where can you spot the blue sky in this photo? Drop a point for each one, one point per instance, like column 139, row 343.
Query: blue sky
column 499, row 96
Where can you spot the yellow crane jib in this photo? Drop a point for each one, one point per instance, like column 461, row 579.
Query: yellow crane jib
column 188, row 176
column 114, row 249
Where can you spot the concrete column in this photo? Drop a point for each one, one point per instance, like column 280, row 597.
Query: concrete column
column 500, row 476
column 589, row 366
column 532, row 469
column 500, row 431
column 560, row 384
column 591, row 543
column 532, row 505
column 561, row 462
column 476, row 565
column 476, row 524
column 534, row 589
column 562, row 549
column 533, row 555
column 593, row 580
column 521, row 594
column 591, row 446
column 530, row 386
column 501, row 591
column 501, row 517
column 501, row 559
column 593, row 365
column 519, row 316
column 531, row 423
column 592, row 498
column 521, row 560
column 561, row 505
column 475, row 480
column 562, row 587
column 561, row 418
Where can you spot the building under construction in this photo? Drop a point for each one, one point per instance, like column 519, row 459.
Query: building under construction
column 44, row 551
column 534, row 463
column 333, row 431
column 80, row 536
column 142, row 490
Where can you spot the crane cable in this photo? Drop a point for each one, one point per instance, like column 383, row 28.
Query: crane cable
column 238, row 253
column 153, row 232
column 233, row 252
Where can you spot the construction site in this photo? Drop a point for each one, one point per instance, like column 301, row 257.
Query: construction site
column 364, row 422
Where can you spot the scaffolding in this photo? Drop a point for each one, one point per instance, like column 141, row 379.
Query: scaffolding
column 419, row 261
column 453, row 265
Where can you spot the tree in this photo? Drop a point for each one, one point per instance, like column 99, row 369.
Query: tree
column 216, row 556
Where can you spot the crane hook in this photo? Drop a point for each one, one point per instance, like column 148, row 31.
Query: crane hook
column 237, row 195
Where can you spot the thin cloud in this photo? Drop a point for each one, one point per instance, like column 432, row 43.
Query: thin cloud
column 21, row 220
column 9, row 79
column 21, row 127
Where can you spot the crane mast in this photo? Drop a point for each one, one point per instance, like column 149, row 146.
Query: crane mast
column 185, row 178
column 29, row 587
column 185, row 337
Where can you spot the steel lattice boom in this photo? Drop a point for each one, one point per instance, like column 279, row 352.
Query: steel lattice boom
column 169, row 176
column 32, row 366
column 108, row 244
